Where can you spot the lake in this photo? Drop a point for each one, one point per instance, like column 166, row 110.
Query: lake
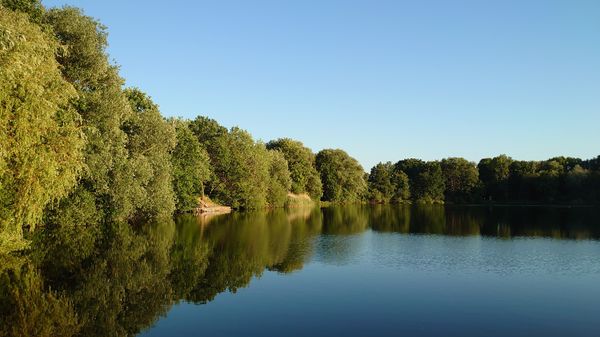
column 344, row 270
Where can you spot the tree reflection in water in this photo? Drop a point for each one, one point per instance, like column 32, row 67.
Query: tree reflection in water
column 118, row 281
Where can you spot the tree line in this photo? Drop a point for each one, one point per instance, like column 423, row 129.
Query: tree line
column 77, row 148
column 499, row 179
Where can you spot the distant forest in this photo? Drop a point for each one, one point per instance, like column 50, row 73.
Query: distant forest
column 79, row 150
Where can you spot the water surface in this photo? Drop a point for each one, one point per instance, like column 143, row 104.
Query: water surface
column 352, row 271
column 389, row 271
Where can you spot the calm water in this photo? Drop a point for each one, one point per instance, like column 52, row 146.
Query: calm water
column 352, row 271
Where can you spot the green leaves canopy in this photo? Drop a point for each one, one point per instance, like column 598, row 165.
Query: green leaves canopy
column 40, row 133
column 342, row 176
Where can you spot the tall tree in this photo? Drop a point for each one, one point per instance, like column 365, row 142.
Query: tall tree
column 342, row 176
column 426, row 179
column 40, row 133
column 381, row 187
column 301, row 163
column 461, row 178
column 150, row 142
column 401, row 185
column 191, row 167
column 109, row 177
column 494, row 173
column 279, row 182
column 33, row 8
column 521, row 180
column 240, row 165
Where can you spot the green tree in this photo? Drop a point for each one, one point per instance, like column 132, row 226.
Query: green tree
column 425, row 178
column 381, row 187
column 461, row 179
column 33, row 8
column 28, row 309
column 191, row 167
column 110, row 174
column 551, row 173
column 240, row 165
column 208, row 131
column 279, row 179
column 212, row 136
column 494, row 174
column 41, row 139
column 401, row 185
column 576, row 183
column 341, row 175
column 430, row 183
column 301, row 162
column 150, row 142
column 521, row 180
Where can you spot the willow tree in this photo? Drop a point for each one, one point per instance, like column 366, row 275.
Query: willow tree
column 113, row 187
column 40, row 134
column 33, row 8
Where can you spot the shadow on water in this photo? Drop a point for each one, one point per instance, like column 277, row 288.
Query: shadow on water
column 119, row 280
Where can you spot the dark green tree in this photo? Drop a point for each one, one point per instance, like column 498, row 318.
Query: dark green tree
column 521, row 181
column 401, row 185
column 494, row 173
column 461, row 179
column 381, row 187
column 425, row 179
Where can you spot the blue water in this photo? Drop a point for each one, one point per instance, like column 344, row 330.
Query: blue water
column 364, row 282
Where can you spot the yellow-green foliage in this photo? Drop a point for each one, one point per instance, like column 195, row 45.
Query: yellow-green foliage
column 279, row 182
column 40, row 136
column 28, row 309
column 151, row 140
column 301, row 164
column 191, row 167
column 299, row 201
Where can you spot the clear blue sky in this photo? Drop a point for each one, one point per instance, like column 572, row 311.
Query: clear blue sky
column 383, row 80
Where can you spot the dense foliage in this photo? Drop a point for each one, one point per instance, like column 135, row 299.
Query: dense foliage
column 301, row 162
column 461, row 179
column 280, row 181
column 342, row 176
column 82, row 153
column 498, row 179
column 240, row 165
column 191, row 167
column 41, row 138
column 425, row 179
column 386, row 184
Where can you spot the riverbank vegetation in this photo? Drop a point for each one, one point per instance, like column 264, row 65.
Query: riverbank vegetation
column 562, row 180
column 78, row 150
